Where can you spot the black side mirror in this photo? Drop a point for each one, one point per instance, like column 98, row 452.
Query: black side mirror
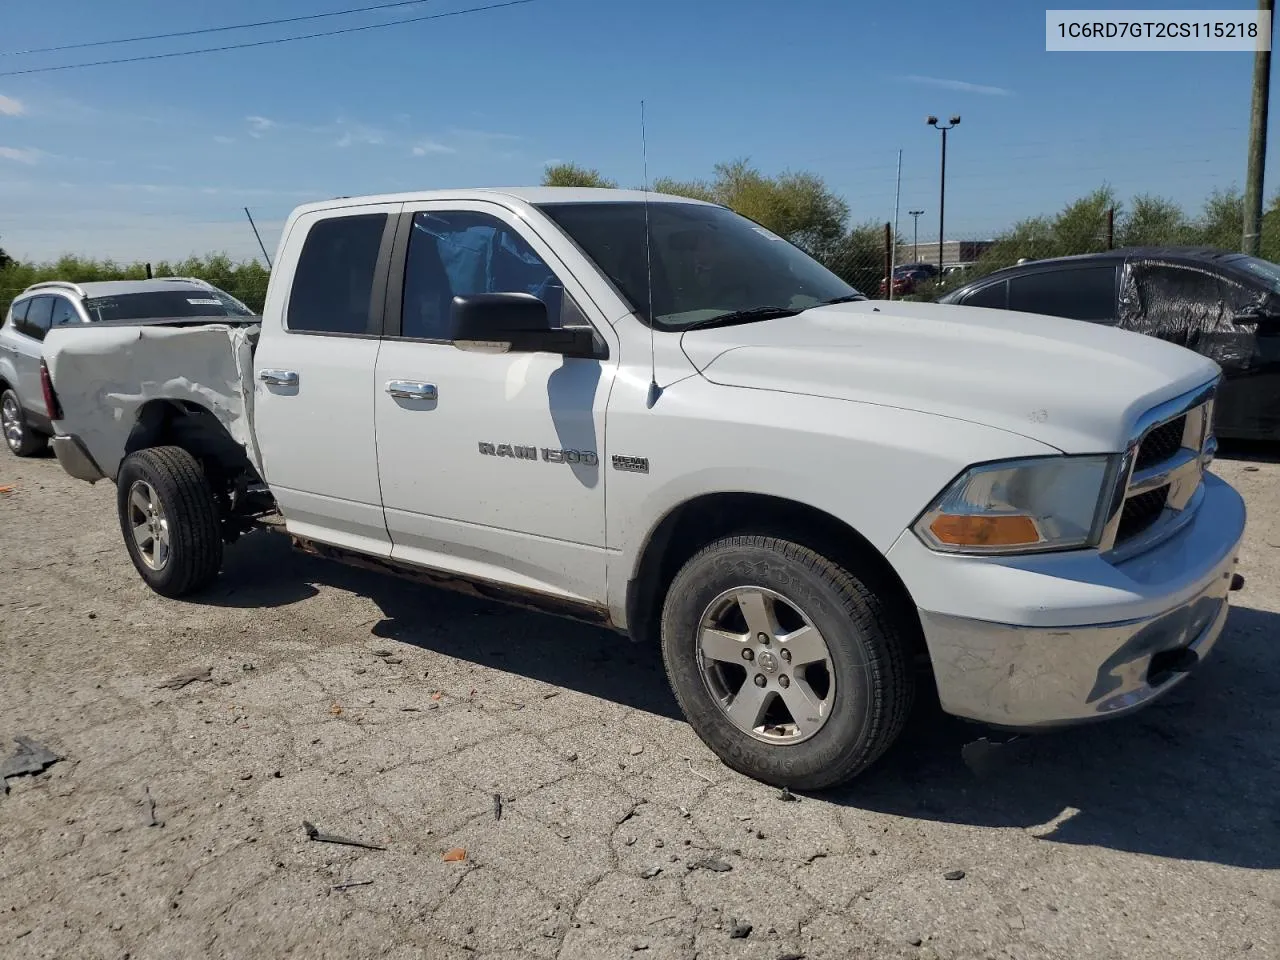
column 513, row 323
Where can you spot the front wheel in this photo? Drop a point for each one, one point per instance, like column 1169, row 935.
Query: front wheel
column 787, row 665
column 169, row 520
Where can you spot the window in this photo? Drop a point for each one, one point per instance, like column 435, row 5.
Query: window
column 154, row 304
column 39, row 314
column 333, row 284
column 1178, row 303
column 63, row 312
column 459, row 254
column 707, row 261
column 992, row 295
column 18, row 315
column 1085, row 293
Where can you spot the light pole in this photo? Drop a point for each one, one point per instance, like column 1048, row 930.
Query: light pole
column 915, row 234
column 942, row 190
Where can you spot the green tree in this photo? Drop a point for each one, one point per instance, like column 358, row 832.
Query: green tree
column 857, row 257
column 1222, row 220
column 572, row 175
column 1154, row 221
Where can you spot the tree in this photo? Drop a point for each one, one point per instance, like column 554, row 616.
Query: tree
column 797, row 206
column 572, row 175
column 5, row 259
column 1154, row 221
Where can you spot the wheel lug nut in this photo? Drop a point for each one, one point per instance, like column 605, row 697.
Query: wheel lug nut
column 786, row 655
column 748, row 655
column 760, row 680
column 784, row 681
column 762, row 638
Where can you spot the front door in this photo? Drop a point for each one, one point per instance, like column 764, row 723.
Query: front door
column 490, row 463
column 314, row 378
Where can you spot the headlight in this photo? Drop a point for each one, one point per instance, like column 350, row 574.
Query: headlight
column 1019, row 506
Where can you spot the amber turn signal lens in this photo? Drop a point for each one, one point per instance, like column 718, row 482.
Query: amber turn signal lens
column 985, row 531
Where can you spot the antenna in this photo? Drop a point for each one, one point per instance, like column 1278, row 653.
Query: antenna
column 259, row 236
column 654, row 390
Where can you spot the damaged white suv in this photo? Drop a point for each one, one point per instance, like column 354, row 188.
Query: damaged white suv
column 655, row 415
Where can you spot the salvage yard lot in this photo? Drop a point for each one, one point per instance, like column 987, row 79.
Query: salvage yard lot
column 390, row 713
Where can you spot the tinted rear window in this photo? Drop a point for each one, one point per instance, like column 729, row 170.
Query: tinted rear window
column 1086, row 293
column 156, row 304
column 333, row 284
column 992, row 295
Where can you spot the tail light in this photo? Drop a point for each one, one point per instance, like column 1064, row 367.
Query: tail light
column 51, row 405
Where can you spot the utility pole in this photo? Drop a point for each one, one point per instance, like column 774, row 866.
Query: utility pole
column 915, row 234
column 942, row 189
column 1252, row 240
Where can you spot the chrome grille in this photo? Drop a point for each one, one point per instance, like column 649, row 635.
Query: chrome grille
column 1161, row 443
column 1159, row 484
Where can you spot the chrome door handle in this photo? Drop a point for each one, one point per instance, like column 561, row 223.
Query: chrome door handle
column 278, row 378
column 411, row 390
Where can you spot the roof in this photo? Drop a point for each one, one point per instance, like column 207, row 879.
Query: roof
column 1167, row 252
column 530, row 195
column 116, row 288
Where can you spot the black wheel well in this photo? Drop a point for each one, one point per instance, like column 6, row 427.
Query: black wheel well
column 697, row 522
column 194, row 428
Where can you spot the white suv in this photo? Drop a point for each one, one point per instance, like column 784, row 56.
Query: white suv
column 41, row 306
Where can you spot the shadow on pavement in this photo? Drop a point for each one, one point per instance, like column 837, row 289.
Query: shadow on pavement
column 1194, row 776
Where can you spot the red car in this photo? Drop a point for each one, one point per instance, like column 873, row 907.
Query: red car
column 906, row 276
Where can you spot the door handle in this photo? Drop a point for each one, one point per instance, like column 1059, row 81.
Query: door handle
column 278, row 378
column 411, row 390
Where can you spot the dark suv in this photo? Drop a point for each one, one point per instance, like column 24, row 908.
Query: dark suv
column 1225, row 306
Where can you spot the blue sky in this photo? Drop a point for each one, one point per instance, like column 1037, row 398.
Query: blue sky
column 157, row 159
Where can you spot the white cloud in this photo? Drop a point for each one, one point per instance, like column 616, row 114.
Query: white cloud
column 28, row 155
column 963, row 86
column 9, row 107
column 362, row 135
column 222, row 139
column 424, row 147
column 258, row 125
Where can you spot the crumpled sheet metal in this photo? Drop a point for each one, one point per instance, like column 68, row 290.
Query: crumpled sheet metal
column 104, row 375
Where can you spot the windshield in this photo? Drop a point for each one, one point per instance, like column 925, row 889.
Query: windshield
column 1265, row 270
column 707, row 261
column 154, row 304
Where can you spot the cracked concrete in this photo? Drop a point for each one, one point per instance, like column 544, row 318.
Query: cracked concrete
column 392, row 713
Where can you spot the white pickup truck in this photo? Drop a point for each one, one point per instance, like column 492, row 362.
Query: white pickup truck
column 656, row 415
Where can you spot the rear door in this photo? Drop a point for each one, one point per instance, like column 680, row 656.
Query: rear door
column 314, row 377
column 490, row 463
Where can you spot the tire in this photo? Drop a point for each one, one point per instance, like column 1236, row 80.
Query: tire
column 863, row 691
column 21, row 440
column 185, row 551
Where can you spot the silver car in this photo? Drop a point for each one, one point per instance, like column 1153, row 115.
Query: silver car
column 23, row 414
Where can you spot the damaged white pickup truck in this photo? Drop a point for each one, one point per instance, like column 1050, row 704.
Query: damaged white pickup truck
column 656, row 415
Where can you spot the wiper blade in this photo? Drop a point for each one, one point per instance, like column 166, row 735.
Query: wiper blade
column 743, row 316
column 849, row 299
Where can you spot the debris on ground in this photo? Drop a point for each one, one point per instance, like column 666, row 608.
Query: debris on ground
column 351, row 883
column 553, row 693
column 393, row 660
column 695, row 772
column 30, row 757
column 650, row 873
column 150, row 803
column 739, row 931
column 456, row 855
column 497, row 806
column 335, row 710
column 787, row 796
column 382, row 653
column 953, row 875
column 318, row 837
column 247, row 667
column 182, row 679
column 710, row 863
column 791, row 956
column 636, row 750
column 631, row 812
column 6, row 489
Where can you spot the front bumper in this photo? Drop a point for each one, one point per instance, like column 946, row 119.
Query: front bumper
column 75, row 459
column 1081, row 638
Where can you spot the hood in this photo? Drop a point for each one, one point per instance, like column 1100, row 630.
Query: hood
column 1077, row 386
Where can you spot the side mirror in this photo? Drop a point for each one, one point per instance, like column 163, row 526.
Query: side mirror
column 513, row 323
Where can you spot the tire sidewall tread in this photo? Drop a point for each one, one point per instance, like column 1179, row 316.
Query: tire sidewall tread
column 874, row 681
column 32, row 441
column 195, row 534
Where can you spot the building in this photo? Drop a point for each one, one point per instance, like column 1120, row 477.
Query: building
column 953, row 251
